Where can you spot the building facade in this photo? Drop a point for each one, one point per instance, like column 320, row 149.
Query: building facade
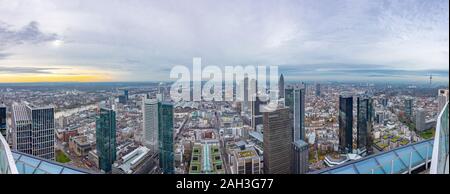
column 364, row 122
column 165, row 140
column 277, row 141
column 345, row 124
column 300, row 157
column 295, row 100
column 3, row 120
column 150, row 124
column 34, row 130
column 106, row 138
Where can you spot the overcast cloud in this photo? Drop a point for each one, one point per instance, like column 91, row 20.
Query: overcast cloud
column 141, row 40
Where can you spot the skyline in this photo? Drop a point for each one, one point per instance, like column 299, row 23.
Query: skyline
column 81, row 41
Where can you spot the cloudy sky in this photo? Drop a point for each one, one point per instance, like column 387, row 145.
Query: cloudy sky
column 141, row 40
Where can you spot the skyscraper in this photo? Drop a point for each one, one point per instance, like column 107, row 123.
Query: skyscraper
column 3, row 120
column 443, row 96
column 150, row 124
column 295, row 100
column 364, row 123
column 165, row 140
column 21, row 129
column 300, row 155
column 345, row 123
column 34, row 130
column 420, row 119
column 281, row 86
column 408, row 107
column 318, row 90
column 277, row 142
column 106, row 138
column 245, row 102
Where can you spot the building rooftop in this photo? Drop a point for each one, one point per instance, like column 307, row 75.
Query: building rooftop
column 396, row 161
column 28, row 164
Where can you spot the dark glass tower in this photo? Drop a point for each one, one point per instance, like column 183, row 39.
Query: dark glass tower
column 165, row 133
column 345, row 123
column 3, row 120
column 295, row 100
column 364, row 122
column 281, row 86
column 277, row 142
column 408, row 108
column 106, row 138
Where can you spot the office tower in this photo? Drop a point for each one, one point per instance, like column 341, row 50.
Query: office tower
column 165, row 140
column 420, row 120
column 443, row 96
column 408, row 107
column 295, row 100
column 281, row 86
column 318, row 90
column 106, row 138
column 3, row 120
column 257, row 116
column 277, row 142
column 345, row 123
column 34, row 130
column 125, row 93
column 150, row 124
column 160, row 94
column 245, row 102
column 364, row 123
column 246, row 161
column 300, row 155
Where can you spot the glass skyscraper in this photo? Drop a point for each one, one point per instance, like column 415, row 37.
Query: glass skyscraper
column 295, row 100
column 34, row 130
column 364, row 122
column 408, row 108
column 165, row 140
column 3, row 120
column 345, row 123
column 106, row 138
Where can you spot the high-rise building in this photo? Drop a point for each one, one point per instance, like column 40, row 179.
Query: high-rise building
column 257, row 116
column 408, row 107
column 245, row 103
column 300, row 155
column 165, row 140
column 295, row 100
column 443, row 96
column 106, row 138
column 364, row 122
column 34, row 130
column 277, row 142
column 281, row 86
column 3, row 120
column 420, row 120
column 150, row 124
column 345, row 123
column 318, row 90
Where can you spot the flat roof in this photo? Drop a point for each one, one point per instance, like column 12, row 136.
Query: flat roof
column 394, row 161
column 29, row 164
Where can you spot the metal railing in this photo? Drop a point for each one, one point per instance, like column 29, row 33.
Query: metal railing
column 7, row 164
column 439, row 161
